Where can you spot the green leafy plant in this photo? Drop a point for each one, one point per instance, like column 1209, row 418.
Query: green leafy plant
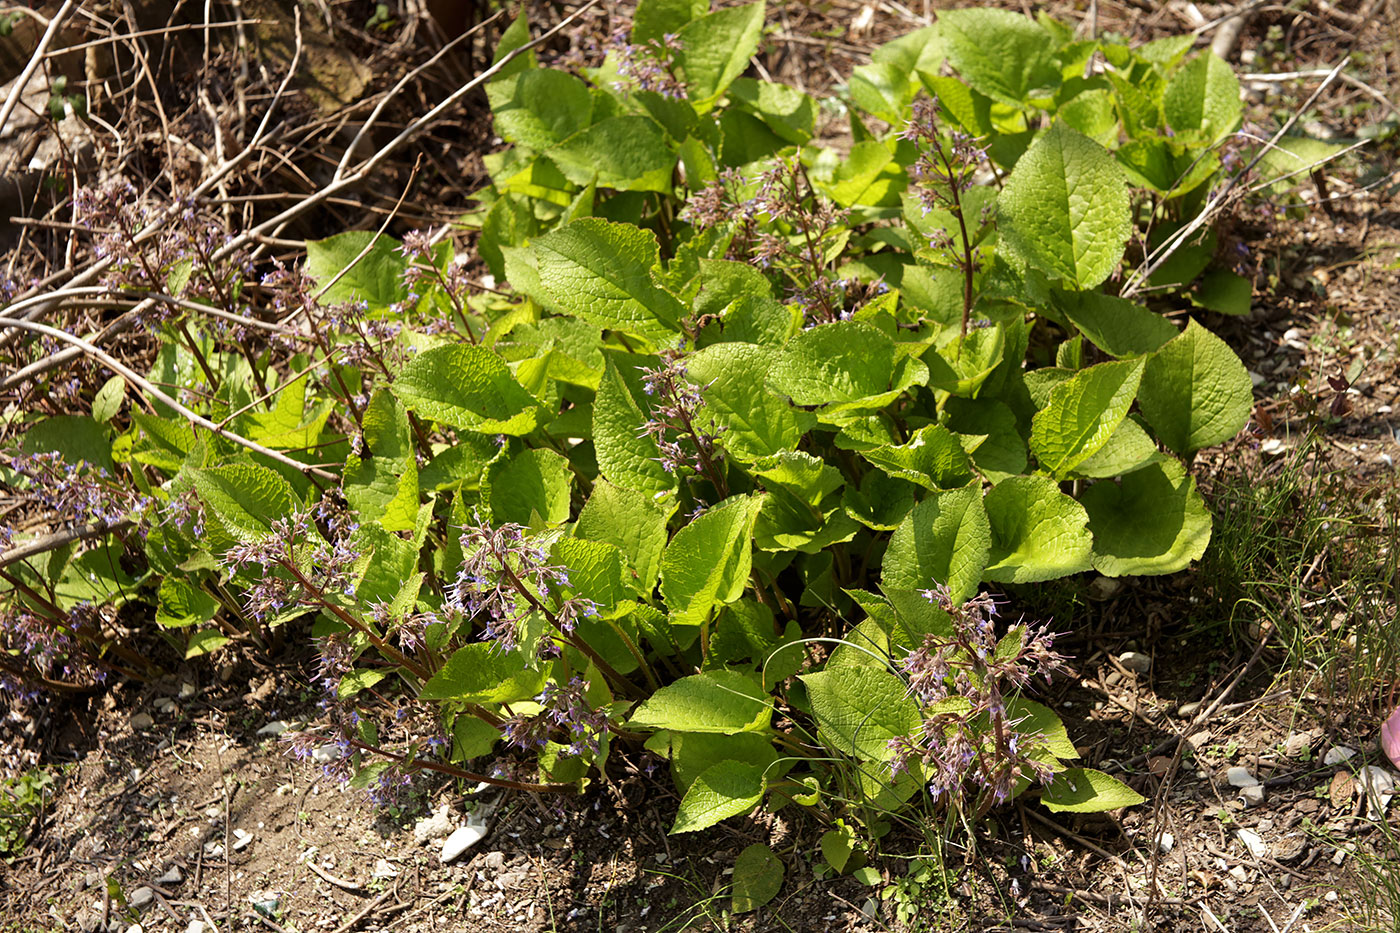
column 719, row 466
column 21, row 800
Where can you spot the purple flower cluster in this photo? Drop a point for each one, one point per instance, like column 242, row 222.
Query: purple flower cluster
column 567, row 715
column 424, row 273
column 504, row 577
column 314, row 565
column 78, row 493
column 968, row 743
column 650, row 66
column 672, row 425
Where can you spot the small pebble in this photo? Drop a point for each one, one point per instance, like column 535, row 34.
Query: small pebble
column 142, row 721
column 1252, row 841
column 188, row 690
column 1338, row 754
column 163, row 704
column 196, row 926
column 141, row 897
column 1135, row 661
column 384, row 869
column 1166, row 842
column 1297, row 744
column 241, row 839
column 171, row 876
column 325, row 754
column 1187, row 710
column 1253, row 795
column 1240, row 777
column 276, row 727
column 462, row 839
column 433, row 827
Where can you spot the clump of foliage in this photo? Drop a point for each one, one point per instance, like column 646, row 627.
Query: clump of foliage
column 724, row 471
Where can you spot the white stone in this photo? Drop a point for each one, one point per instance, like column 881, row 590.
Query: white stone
column 384, row 869
column 1135, row 661
column 276, row 727
column 1253, row 795
column 196, row 926
column 188, row 690
column 1253, row 842
column 1239, row 874
column 1189, row 709
column 141, row 897
column 142, row 721
column 467, row 835
column 1338, row 754
column 136, row 928
column 171, row 876
column 1166, row 842
column 325, row 754
column 1377, row 785
column 163, row 704
column 1240, row 777
column 241, row 839
column 433, row 827
column 1297, row 744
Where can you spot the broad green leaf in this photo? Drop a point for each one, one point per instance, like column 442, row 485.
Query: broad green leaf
column 1292, row 158
column 845, row 365
column 1130, row 448
column 1038, row 532
column 539, row 107
column 946, row 539
column 1225, row 291
column 529, row 488
column 1082, row 414
column 719, row 701
column 655, row 18
column 1115, row 325
column 77, row 438
column 1002, row 54
column 755, row 421
column 472, row 737
column 604, row 273
column 1030, row 718
column 245, row 499
column 1092, row 113
column 205, row 641
column 715, row 49
column 181, row 604
column 1195, row 392
column 1002, row 452
column 693, row 752
column 1065, row 208
column 1152, row 521
column 108, row 400
column 390, row 565
column 859, row 709
column 836, row 845
column 785, row 110
column 467, row 387
column 802, row 510
column 289, row 425
column 375, row 279
column 1203, row 95
column 1084, row 790
column 596, row 571
column 482, row 673
column 934, row 459
column 630, row 520
column 726, row 789
column 707, row 563
column 758, row 877
column 627, row 455
column 724, row 281
column 629, row 153
column 516, row 35
column 969, row 108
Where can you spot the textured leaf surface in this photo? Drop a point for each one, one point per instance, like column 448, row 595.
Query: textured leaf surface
column 859, row 709
column 529, row 488
column 1203, row 95
column 375, row 279
column 733, row 377
column 848, row 364
column 481, row 673
column 1195, row 391
column 1065, row 208
column 539, row 107
column 1002, row 54
column 626, row 453
column 467, row 387
column 946, row 539
column 1117, row 326
column 1082, row 414
column 720, row 701
column 934, row 458
column 758, row 877
column 1152, row 521
column 631, row 521
column 716, row 49
column 628, row 153
column 707, row 563
column 726, row 789
column 603, row 272
column 1038, row 532
column 1084, row 790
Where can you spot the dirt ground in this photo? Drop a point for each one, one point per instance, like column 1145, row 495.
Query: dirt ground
column 177, row 809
